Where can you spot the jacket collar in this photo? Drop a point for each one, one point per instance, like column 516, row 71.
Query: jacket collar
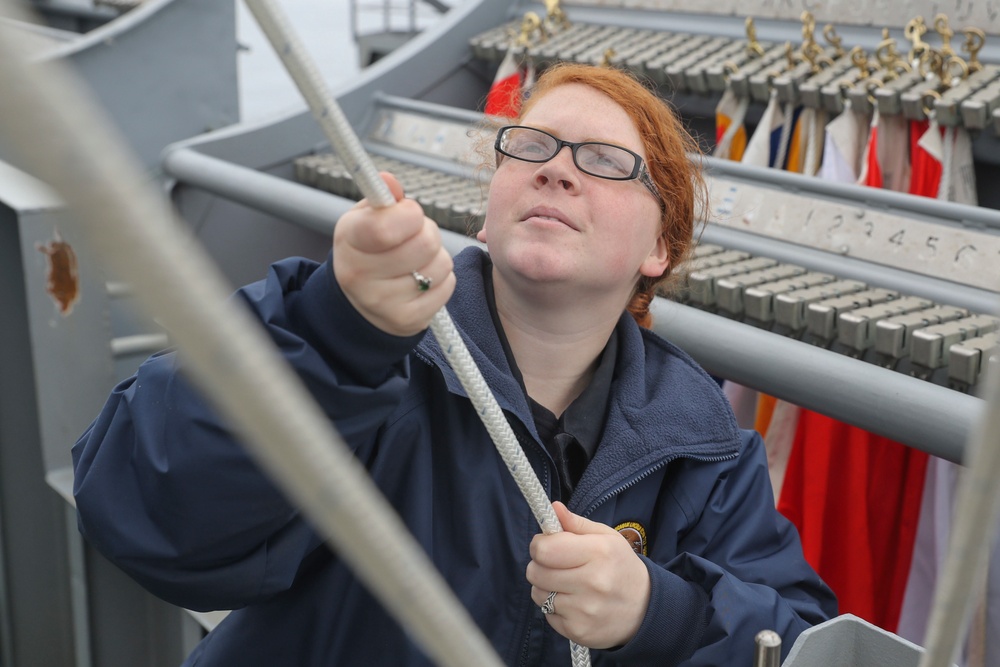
column 470, row 312
column 663, row 405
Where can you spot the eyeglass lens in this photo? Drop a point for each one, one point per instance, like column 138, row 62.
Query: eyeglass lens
column 596, row 159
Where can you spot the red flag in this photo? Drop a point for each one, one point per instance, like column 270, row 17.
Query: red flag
column 925, row 178
column 871, row 170
column 504, row 98
column 855, row 498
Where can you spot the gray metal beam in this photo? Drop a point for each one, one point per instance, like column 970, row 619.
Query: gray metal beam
column 909, row 283
column 916, row 413
column 920, row 414
column 301, row 205
column 311, row 208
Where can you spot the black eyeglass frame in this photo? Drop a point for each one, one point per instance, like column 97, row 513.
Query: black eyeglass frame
column 639, row 171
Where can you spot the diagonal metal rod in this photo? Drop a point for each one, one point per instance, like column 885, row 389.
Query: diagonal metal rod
column 57, row 132
column 278, row 30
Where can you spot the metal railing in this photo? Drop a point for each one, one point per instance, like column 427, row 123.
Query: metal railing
column 394, row 16
column 389, row 23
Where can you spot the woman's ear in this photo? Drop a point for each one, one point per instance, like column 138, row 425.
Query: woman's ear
column 657, row 261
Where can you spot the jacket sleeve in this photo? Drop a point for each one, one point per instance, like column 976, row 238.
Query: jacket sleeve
column 165, row 491
column 739, row 569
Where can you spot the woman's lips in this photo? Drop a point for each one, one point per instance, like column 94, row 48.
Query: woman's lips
column 550, row 214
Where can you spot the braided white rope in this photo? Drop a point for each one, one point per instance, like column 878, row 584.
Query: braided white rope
column 339, row 132
column 492, row 417
column 59, row 136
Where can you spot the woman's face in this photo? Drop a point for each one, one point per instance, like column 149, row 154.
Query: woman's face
column 550, row 224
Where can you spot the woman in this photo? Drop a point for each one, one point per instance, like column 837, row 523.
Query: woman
column 592, row 205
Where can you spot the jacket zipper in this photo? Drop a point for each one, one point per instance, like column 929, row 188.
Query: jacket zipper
column 646, row 473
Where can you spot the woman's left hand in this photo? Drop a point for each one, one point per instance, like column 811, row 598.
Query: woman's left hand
column 601, row 584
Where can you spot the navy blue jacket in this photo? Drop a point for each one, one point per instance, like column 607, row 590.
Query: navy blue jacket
column 166, row 493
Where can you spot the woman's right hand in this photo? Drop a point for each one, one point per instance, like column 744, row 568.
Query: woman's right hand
column 376, row 251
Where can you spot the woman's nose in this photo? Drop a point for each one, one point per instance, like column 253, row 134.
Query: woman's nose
column 560, row 169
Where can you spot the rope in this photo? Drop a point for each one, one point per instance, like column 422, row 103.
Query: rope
column 59, row 136
column 276, row 27
column 976, row 512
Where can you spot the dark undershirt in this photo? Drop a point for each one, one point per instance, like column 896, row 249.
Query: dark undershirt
column 572, row 438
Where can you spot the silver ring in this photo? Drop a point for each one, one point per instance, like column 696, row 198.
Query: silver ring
column 423, row 282
column 549, row 606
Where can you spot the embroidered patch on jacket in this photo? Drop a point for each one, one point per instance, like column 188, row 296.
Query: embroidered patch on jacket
column 635, row 534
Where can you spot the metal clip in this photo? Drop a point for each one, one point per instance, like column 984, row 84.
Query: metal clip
column 887, row 55
column 531, row 24
column 609, row 53
column 974, row 41
column 942, row 28
column 918, row 101
column 753, row 46
column 950, row 108
column 555, row 17
column 860, row 60
column 914, row 31
column 834, row 40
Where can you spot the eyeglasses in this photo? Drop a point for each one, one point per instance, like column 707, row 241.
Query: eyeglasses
column 591, row 157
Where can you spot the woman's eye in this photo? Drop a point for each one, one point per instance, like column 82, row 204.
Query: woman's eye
column 611, row 163
column 531, row 148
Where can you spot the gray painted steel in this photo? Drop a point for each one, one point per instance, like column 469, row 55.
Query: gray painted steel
column 309, row 207
column 849, row 641
column 920, row 414
column 31, row 516
column 164, row 72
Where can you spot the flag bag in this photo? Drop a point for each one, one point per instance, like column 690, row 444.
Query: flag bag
column 730, row 133
column 514, row 76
